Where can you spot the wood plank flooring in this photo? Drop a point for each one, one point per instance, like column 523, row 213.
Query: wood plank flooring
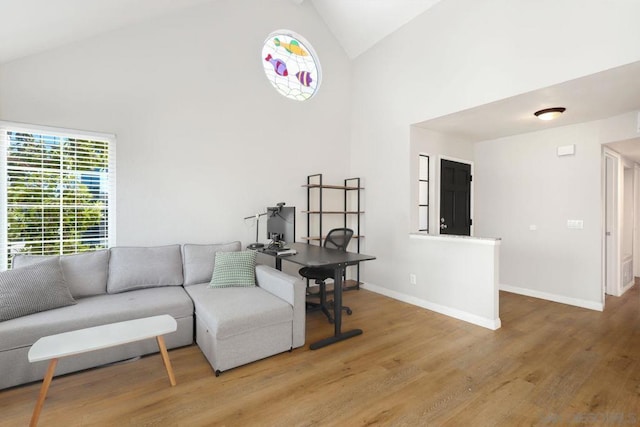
column 550, row 364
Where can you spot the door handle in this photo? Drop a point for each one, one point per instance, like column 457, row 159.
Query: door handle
column 443, row 226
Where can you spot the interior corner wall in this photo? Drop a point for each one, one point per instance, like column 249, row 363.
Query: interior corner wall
column 526, row 194
column 458, row 55
column 203, row 139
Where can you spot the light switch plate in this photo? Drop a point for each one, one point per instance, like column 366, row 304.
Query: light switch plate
column 567, row 150
column 576, row 224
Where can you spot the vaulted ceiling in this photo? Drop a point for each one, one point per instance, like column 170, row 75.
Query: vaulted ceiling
column 33, row 26
column 360, row 24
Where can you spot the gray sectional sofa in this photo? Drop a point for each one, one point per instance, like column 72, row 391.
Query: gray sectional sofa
column 232, row 326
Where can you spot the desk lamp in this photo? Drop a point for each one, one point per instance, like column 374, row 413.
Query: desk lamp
column 256, row 245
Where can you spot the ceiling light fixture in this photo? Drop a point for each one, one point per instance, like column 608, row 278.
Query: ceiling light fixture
column 549, row 113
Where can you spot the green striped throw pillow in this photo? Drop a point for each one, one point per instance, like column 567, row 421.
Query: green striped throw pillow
column 234, row 269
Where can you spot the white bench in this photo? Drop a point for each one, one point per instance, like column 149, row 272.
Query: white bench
column 90, row 339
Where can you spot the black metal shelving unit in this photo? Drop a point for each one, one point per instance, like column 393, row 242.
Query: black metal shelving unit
column 351, row 185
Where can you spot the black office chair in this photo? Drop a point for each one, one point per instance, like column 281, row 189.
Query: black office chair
column 338, row 238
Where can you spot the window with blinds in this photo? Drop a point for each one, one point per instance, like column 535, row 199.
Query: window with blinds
column 57, row 191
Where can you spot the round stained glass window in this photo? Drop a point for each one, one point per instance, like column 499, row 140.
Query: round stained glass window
column 291, row 65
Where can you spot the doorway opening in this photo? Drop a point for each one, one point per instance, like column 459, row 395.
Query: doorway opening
column 620, row 230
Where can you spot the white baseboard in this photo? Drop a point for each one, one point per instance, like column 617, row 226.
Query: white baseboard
column 492, row 324
column 592, row 305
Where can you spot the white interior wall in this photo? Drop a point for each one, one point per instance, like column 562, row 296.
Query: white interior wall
column 515, row 194
column 521, row 183
column 469, row 293
column 461, row 54
column 203, row 140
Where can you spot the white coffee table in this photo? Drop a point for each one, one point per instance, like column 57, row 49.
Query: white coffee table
column 56, row 346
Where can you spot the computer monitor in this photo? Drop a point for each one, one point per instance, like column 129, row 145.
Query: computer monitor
column 281, row 224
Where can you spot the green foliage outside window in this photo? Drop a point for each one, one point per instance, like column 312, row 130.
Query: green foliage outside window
column 56, row 197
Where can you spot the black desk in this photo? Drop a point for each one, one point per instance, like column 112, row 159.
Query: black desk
column 318, row 256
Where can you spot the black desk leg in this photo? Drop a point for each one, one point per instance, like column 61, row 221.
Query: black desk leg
column 337, row 299
column 278, row 263
column 337, row 314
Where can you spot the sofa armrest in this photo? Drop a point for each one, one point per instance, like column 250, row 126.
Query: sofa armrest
column 290, row 289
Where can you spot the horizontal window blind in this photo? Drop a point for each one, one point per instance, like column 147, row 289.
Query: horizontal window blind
column 57, row 189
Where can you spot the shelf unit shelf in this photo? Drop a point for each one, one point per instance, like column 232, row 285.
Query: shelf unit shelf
column 333, row 187
column 351, row 214
column 333, row 212
column 323, row 237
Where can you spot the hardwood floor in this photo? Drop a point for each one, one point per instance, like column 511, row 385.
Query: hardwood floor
column 550, row 364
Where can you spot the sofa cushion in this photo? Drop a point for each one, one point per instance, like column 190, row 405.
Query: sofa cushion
column 85, row 273
column 234, row 269
column 233, row 311
column 94, row 311
column 32, row 289
column 133, row 268
column 199, row 260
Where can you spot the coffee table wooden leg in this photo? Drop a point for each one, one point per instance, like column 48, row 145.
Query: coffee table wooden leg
column 165, row 359
column 43, row 392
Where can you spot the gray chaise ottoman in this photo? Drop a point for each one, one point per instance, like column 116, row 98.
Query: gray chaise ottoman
column 235, row 326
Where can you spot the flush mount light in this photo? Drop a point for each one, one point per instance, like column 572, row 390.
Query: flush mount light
column 549, row 113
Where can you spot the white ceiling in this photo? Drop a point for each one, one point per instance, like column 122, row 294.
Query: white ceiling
column 598, row 96
column 360, row 24
column 33, row 26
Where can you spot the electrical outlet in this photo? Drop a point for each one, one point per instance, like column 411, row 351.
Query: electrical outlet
column 412, row 279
